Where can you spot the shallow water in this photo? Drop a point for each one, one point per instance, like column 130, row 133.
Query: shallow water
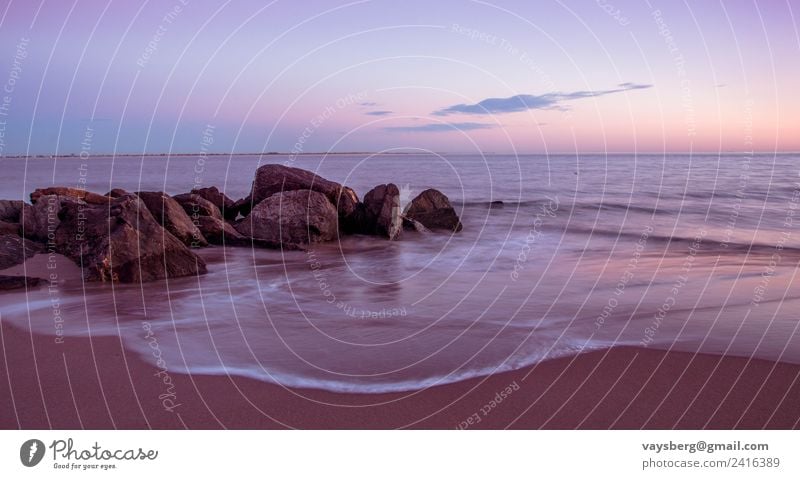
column 694, row 253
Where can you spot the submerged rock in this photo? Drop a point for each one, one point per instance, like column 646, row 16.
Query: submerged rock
column 292, row 219
column 381, row 212
column 172, row 216
column 433, row 209
column 122, row 242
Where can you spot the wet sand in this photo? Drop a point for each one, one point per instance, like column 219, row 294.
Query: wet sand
column 94, row 383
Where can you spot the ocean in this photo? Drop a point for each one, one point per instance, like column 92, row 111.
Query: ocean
column 559, row 254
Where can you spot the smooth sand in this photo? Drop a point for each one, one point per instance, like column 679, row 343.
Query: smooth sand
column 95, row 383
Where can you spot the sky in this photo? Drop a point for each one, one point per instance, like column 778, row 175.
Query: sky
column 183, row 76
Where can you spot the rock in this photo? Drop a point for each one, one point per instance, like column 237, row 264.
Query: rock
column 169, row 214
column 15, row 250
column 17, row 282
column 414, row 225
column 221, row 232
column 381, row 212
column 10, row 210
column 434, row 211
column 117, row 192
column 40, row 220
column 78, row 194
column 220, row 200
column 272, row 179
column 291, row 219
column 7, row 228
column 122, row 242
column 195, row 206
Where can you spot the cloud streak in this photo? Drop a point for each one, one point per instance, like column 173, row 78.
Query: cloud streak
column 517, row 103
column 439, row 127
column 379, row 112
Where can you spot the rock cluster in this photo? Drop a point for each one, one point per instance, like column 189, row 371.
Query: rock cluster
column 149, row 235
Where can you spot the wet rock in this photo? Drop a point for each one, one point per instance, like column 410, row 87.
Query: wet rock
column 381, row 212
column 78, row 194
column 17, row 282
column 122, row 242
column 195, row 206
column 171, row 215
column 224, row 204
column 221, row 232
column 272, row 179
column 291, row 219
column 434, row 211
column 414, row 225
column 15, row 250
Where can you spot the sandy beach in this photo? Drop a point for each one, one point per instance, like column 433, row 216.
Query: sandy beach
column 94, row 383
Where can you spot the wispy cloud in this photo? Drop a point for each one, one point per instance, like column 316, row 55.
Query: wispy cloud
column 547, row 101
column 439, row 127
column 367, row 103
column 379, row 112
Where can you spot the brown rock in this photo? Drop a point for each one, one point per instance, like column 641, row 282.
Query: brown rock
column 7, row 228
column 10, row 210
column 291, row 219
column 195, row 206
column 381, row 212
column 169, row 214
column 117, row 192
column 15, row 250
column 220, row 232
column 78, row 194
column 17, row 282
column 122, row 242
column 272, row 179
column 220, row 200
column 434, row 211
column 40, row 220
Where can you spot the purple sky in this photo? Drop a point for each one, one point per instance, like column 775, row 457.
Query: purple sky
column 457, row 76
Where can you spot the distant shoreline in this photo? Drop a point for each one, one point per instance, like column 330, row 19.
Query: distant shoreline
column 404, row 153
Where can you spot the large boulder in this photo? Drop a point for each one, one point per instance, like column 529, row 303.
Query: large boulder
column 196, row 206
column 172, row 216
column 10, row 210
column 220, row 232
column 219, row 199
column 381, row 212
column 272, row 179
column 291, row 219
column 122, row 242
column 434, row 211
column 15, row 250
column 76, row 193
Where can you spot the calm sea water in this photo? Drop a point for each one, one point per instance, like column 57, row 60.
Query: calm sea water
column 674, row 252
